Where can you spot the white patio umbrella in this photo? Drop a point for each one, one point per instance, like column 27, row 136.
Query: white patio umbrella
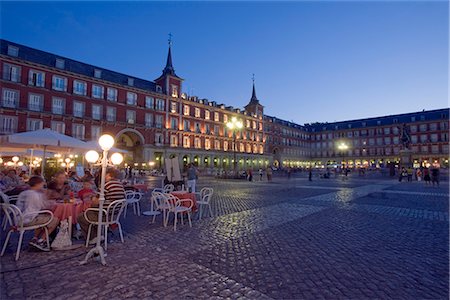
column 45, row 139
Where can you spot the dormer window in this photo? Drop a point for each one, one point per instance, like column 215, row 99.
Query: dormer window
column 60, row 63
column 130, row 81
column 98, row 74
column 159, row 89
column 13, row 51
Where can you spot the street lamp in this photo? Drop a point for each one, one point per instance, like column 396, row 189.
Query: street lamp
column 343, row 147
column 106, row 142
column 234, row 125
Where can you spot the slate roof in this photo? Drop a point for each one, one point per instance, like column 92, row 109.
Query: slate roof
column 48, row 59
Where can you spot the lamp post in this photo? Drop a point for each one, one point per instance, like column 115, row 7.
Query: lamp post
column 234, row 125
column 343, row 147
column 106, row 142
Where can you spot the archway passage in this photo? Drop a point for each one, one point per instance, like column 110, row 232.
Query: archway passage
column 132, row 141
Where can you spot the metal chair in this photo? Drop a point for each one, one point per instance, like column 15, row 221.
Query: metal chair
column 15, row 219
column 111, row 215
column 134, row 199
column 176, row 208
column 205, row 200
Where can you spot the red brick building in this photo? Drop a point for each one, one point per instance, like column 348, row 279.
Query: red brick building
column 155, row 119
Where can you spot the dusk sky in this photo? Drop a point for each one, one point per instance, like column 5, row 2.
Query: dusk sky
column 313, row 61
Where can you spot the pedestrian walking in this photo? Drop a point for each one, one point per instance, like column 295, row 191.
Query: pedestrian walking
column 260, row 174
column 435, row 176
column 426, row 176
column 419, row 174
column 409, row 173
column 192, row 175
column 310, row 175
column 250, row 174
column 269, row 173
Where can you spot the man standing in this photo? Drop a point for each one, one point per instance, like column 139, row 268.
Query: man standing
column 113, row 191
column 192, row 175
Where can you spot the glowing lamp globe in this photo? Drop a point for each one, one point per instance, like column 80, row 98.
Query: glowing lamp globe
column 106, row 142
column 9, row 163
column 15, row 159
column 239, row 125
column 116, row 158
column 20, row 163
column 63, row 165
column 92, row 156
column 67, row 160
column 1, row 160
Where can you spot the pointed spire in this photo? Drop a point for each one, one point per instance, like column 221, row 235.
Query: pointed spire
column 254, row 99
column 169, row 70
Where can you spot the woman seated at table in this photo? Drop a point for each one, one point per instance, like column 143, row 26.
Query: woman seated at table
column 113, row 191
column 58, row 188
column 32, row 201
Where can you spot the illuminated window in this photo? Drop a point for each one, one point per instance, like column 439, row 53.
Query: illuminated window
column 225, row 145
column 207, row 144
column 186, row 110
column 173, row 141
column 207, row 114
column 174, row 91
column 217, row 145
column 197, row 112
column 186, row 142
column 216, row 116
column 173, row 107
column 225, row 118
column 197, row 143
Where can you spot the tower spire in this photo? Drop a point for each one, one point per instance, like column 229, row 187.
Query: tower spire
column 254, row 98
column 169, row 67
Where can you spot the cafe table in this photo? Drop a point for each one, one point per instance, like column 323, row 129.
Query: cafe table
column 70, row 210
column 186, row 195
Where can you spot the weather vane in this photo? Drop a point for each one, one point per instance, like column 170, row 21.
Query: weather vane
column 170, row 39
column 253, row 77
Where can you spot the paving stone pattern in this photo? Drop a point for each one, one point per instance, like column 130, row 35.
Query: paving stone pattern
column 288, row 239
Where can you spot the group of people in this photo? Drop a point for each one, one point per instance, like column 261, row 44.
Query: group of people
column 430, row 176
column 36, row 194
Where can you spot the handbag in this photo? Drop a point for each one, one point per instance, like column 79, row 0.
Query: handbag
column 62, row 239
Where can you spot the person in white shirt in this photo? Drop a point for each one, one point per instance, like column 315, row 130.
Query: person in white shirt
column 31, row 202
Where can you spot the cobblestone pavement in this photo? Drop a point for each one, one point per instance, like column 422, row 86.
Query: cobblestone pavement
column 288, row 239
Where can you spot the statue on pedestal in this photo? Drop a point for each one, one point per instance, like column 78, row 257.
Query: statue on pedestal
column 405, row 137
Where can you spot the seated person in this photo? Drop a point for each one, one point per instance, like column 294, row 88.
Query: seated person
column 11, row 180
column 87, row 176
column 32, row 201
column 58, row 187
column 113, row 191
column 86, row 192
column 73, row 177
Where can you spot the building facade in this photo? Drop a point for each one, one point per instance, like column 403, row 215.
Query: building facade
column 155, row 119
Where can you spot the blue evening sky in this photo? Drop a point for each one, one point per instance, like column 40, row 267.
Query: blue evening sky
column 313, row 61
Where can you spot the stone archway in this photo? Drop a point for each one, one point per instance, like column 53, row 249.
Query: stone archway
column 133, row 141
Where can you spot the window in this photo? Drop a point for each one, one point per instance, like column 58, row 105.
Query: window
column 216, row 144
column 159, row 121
column 148, row 120
column 207, row 144
column 387, row 130
column 130, row 81
column 149, row 102
column 186, row 110
column 444, row 137
column 216, row 129
column 97, row 91
column 35, row 102
column 160, row 104
column 414, row 139
column 10, row 98
column 78, row 131
column 433, row 126
column 396, row 140
column 241, row 147
column 173, row 107
column 216, row 116
column 254, row 124
column 95, row 132
column 36, row 78
column 110, row 114
column 34, row 124
column 59, row 127
column 413, row 128
column 173, row 141
column 197, row 112
column 97, row 112
column 413, row 119
column 60, row 63
column 175, row 91
column 159, row 139
column 423, row 138
column 111, row 94
column 11, row 73
column 13, row 51
column 261, row 149
column 97, row 73
column 434, row 149
column 187, row 125
column 59, row 83
column 197, row 128
column 131, row 98
column 58, row 106
column 186, row 142
column 207, row 114
column 225, row 145
column 247, row 123
column 197, row 143
column 423, row 127
column 434, row 137
column 225, row 118
column 8, row 124
column 159, row 89
column 78, row 109
column 131, row 116
column 174, row 123
column 207, row 129
column 79, row 87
